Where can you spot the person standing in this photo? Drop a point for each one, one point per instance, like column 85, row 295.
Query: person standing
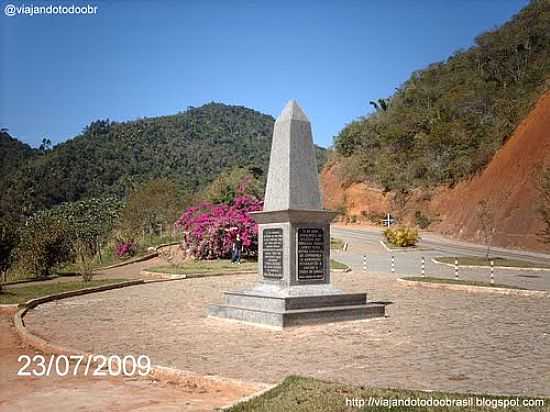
column 237, row 250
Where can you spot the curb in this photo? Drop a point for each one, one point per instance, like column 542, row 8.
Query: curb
column 474, row 289
column 249, row 397
column 403, row 249
column 437, row 262
column 159, row 373
column 30, row 304
column 168, row 276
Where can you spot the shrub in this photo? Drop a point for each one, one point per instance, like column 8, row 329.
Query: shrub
column 124, row 249
column 84, row 259
column 402, row 237
column 44, row 244
column 210, row 229
column 422, row 221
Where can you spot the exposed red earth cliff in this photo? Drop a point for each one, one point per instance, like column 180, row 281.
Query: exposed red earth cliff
column 507, row 184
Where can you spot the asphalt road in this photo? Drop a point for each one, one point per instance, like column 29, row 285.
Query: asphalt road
column 366, row 243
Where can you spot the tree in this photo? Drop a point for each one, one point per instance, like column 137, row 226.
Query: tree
column 8, row 241
column 151, row 205
column 239, row 180
column 45, row 145
column 44, row 244
column 487, row 223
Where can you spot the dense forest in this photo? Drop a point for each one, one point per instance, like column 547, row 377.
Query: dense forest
column 109, row 158
column 447, row 121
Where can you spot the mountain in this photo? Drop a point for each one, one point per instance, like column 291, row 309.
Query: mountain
column 508, row 186
column 447, row 121
column 12, row 153
column 193, row 147
column 457, row 137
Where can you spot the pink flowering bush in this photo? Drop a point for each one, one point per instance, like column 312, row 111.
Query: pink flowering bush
column 126, row 249
column 210, row 229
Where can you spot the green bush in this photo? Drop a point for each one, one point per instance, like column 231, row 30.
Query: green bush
column 44, row 244
column 402, row 237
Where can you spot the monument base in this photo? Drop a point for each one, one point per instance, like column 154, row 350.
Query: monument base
column 302, row 305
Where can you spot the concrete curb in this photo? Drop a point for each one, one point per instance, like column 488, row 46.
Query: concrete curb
column 403, row 249
column 249, row 397
column 473, row 289
column 167, row 276
column 159, row 373
column 437, row 262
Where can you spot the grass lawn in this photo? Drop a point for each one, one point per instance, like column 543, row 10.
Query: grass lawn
column 24, row 293
column 483, row 261
column 334, row 264
column 460, row 282
column 336, row 243
column 204, row 267
column 306, row 394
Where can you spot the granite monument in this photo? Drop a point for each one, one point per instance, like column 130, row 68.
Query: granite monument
column 294, row 285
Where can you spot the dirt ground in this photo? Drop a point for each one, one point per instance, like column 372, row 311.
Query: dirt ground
column 82, row 393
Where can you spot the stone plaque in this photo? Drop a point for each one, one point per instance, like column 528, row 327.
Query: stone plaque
column 272, row 253
column 311, row 259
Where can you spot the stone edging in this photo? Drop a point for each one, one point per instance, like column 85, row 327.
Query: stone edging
column 437, row 262
column 402, row 249
column 159, row 373
column 474, row 289
column 249, row 397
column 166, row 275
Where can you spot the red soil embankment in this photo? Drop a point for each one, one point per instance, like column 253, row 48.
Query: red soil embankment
column 507, row 185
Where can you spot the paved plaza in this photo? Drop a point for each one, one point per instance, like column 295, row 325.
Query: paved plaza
column 432, row 339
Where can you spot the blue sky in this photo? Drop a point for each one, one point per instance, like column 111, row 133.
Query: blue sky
column 134, row 58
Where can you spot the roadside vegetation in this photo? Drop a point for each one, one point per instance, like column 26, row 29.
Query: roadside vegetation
column 336, row 243
column 311, row 395
column 401, row 237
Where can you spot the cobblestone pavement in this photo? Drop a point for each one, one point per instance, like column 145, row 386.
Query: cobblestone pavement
column 91, row 394
column 433, row 339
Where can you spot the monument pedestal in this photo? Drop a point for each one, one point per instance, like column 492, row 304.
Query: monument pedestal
column 294, row 243
column 295, row 288
column 271, row 309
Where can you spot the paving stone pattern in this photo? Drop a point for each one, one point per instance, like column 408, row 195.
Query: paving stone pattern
column 433, row 339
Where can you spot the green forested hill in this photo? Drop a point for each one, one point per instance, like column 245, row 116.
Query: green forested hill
column 447, row 121
column 192, row 147
column 12, row 153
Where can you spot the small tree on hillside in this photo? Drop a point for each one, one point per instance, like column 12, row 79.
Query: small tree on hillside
column 234, row 182
column 152, row 204
column 487, row 222
column 543, row 186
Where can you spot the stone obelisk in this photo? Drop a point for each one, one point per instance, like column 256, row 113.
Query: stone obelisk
column 294, row 285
